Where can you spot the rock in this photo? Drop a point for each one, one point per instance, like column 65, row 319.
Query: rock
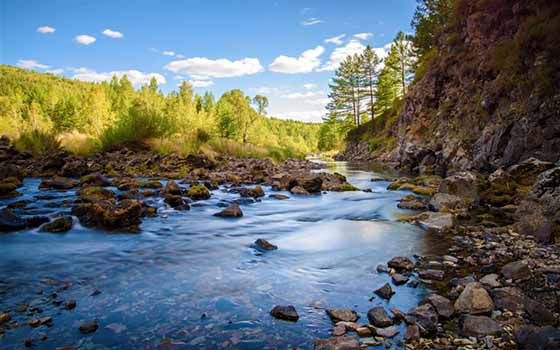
column 445, row 201
column 425, row 317
column 378, row 317
column 70, row 304
column 198, row 192
column 58, row 225
column 299, row 190
column 75, row 168
column 412, row 333
column 95, row 194
column 345, row 315
column 537, row 338
column 443, row 306
column 58, row 183
column 95, row 179
column 478, row 326
column 382, row 268
column 173, row 188
column 40, row 321
column 526, row 172
column 430, row 274
column 364, row 332
column 412, row 202
column 255, row 192
column 513, row 299
column 311, row 184
column 398, row 314
column 388, row 332
column 126, row 215
column 436, row 222
column 385, row 292
column 176, row 202
column 36, row 221
column 5, row 317
column 233, row 211
column 279, row 196
column 517, row 271
column 474, row 300
column 263, row 244
column 401, row 263
column 399, row 279
column 338, row 330
column 287, row 313
column 88, row 327
column 337, row 343
column 149, row 184
column 491, row 281
column 9, row 222
column 463, row 185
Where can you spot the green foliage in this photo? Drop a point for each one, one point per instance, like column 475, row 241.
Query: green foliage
column 430, row 21
column 37, row 142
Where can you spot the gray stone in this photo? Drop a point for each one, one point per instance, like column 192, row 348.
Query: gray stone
column 477, row 326
column 474, row 300
column 338, row 343
column 345, row 315
column 378, row 317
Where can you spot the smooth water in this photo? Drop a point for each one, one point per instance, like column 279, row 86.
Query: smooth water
column 190, row 280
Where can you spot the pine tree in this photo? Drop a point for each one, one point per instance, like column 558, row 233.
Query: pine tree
column 369, row 69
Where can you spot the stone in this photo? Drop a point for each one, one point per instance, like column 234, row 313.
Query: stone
column 232, row 211
column 338, row 330
column 364, row 332
column 10, row 222
column 526, row 172
column 430, row 274
column 176, row 202
column 445, row 201
column 94, row 194
column 126, row 215
column 398, row 314
column 5, row 317
column 378, row 317
column 311, row 184
column 412, row 202
column 513, row 299
column 287, row 312
column 173, row 188
column 537, row 338
column 437, row 222
column 399, row 279
column 255, row 192
column 479, row 326
column 299, row 190
column 401, row 263
column 425, row 317
column 463, row 184
column 382, row 268
column 58, row 225
column 517, row 271
column 88, row 327
column 57, row 183
column 388, row 332
column 443, row 306
column 279, row 196
column 198, row 192
column 474, row 299
column 263, row 244
column 345, row 315
column 385, row 292
column 40, row 321
column 491, row 280
column 337, row 343
column 412, row 333
column 95, row 179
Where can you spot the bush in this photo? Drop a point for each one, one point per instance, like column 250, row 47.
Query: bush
column 37, row 142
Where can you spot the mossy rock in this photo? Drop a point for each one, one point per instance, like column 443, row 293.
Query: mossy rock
column 95, row 193
column 198, row 192
column 6, row 188
column 345, row 187
column 424, row 191
column 150, row 184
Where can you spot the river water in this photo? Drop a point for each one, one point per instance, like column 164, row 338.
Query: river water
column 190, row 280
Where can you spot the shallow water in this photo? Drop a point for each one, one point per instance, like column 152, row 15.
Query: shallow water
column 192, row 280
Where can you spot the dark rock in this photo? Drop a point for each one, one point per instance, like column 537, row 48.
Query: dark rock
column 385, row 292
column 478, row 326
column 517, row 271
column 70, row 304
column 9, row 222
column 388, row 332
column 399, row 279
column 95, row 193
column 443, row 306
column 279, row 196
column 176, row 202
column 198, row 192
column 425, row 317
column 474, row 299
column 255, row 192
column 412, row 333
column 88, row 327
column 382, row 268
column 337, row 343
column 5, row 317
column 526, row 172
column 288, row 313
column 173, row 188
column 378, row 317
column 106, row 215
column 95, row 179
column 58, row 183
column 345, row 315
column 339, row 330
column 538, row 338
column 263, row 244
column 75, row 168
column 58, row 225
column 401, row 263
column 233, row 211
column 437, row 275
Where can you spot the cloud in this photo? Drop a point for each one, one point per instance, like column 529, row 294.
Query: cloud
column 201, row 83
column 311, row 21
column 57, row 71
column 84, row 39
column 306, row 62
column 168, row 53
column 112, row 34
column 46, row 29
column 310, row 115
column 309, row 86
column 136, row 77
column 337, row 40
column 340, row 53
column 362, row 36
column 305, row 95
column 200, row 68
column 31, row 64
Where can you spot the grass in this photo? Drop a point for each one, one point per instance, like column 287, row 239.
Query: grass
column 37, row 142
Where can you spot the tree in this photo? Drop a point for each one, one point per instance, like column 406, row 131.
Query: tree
column 261, row 102
column 404, row 62
column 369, row 68
column 346, row 90
column 429, row 21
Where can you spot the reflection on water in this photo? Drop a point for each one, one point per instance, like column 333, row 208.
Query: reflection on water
column 192, row 280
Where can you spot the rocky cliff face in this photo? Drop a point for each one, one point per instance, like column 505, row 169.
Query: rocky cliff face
column 490, row 96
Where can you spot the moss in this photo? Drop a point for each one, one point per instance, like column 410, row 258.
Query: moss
column 421, row 190
column 6, row 188
column 149, row 184
column 198, row 192
column 347, row 187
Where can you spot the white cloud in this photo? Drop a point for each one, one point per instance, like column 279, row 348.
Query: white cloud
column 179, row 56
column 340, row 53
column 306, row 62
column 200, row 68
column 309, row 86
column 31, row 64
column 84, row 39
column 46, row 29
column 168, row 53
column 362, row 36
column 311, row 21
column 305, row 95
column 310, row 115
column 57, row 71
column 136, row 77
column 112, row 34
column 201, row 83
column 337, row 40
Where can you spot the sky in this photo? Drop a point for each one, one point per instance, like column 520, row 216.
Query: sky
column 287, row 50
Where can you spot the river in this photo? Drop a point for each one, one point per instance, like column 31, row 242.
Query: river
column 190, row 280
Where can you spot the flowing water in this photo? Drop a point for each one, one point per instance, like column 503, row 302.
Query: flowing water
column 190, row 280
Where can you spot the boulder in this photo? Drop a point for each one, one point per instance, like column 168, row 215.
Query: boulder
column 442, row 305
column 95, row 194
column 517, row 271
column 436, row 222
column 388, row 332
column 255, row 192
column 311, row 184
column 58, row 225
column 173, row 188
column 385, row 292
column 446, row 201
column 513, row 299
column 57, row 183
column 263, row 244
column 88, row 327
column 198, row 192
column 345, row 315
column 412, row 333
column 299, row 190
column 287, row 312
column 95, row 179
column 491, row 280
column 74, row 168
column 526, row 172
column 232, row 211
column 464, row 185
column 537, row 338
column 9, row 222
column 425, row 317
column 176, row 201
column 412, row 202
column 479, row 326
column 401, row 263
column 474, row 299
column 378, row 317
column 399, row 279
column 337, row 343
column 126, row 215
column 431, row 274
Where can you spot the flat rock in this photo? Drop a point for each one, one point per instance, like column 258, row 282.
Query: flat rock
column 477, row 326
column 387, row 332
column 337, row 343
column 474, row 299
column 385, row 292
column 345, row 315
column 436, row 222
column 378, row 317
column 287, row 312
column 430, row 274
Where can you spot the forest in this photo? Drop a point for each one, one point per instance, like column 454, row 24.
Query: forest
column 44, row 111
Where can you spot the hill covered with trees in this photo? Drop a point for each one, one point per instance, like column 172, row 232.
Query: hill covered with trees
column 43, row 111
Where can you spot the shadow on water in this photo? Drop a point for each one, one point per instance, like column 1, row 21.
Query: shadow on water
column 191, row 280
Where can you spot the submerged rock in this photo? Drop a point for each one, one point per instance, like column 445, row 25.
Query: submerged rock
column 263, row 244
column 108, row 215
column 233, row 211
column 88, row 327
column 255, row 192
column 9, row 222
column 279, row 196
column 345, row 315
column 58, row 225
column 287, row 313
column 176, row 201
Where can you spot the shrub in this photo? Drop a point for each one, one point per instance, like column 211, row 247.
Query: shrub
column 37, row 141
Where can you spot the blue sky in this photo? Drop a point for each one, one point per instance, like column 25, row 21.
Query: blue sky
column 286, row 50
